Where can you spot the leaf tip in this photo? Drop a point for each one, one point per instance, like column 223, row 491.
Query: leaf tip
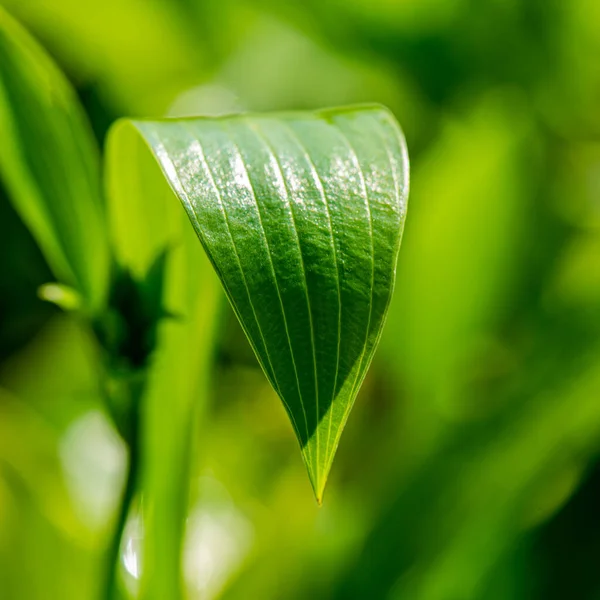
column 318, row 481
column 320, row 489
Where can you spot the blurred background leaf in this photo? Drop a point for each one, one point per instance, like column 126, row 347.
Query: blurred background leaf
column 470, row 467
column 50, row 165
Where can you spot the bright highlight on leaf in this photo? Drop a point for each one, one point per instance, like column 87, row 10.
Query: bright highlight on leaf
column 301, row 215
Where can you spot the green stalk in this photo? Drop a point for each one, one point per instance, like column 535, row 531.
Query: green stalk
column 124, row 400
column 112, row 589
column 164, row 519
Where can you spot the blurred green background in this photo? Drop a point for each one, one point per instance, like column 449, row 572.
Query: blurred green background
column 470, row 467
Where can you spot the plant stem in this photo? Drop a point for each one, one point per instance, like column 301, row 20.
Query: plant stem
column 112, row 588
column 134, row 389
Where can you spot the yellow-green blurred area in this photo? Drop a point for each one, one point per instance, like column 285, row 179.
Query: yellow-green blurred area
column 470, row 467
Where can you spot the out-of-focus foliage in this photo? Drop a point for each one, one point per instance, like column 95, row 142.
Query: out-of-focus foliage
column 470, row 467
column 49, row 163
column 153, row 332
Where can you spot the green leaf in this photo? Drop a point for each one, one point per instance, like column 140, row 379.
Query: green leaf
column 49, row 164
column 301, row 215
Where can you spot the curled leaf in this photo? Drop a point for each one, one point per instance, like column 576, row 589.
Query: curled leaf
column 301, row 215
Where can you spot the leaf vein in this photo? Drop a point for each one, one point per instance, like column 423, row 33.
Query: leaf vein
column 319, row 184
column 223, row 211
column 270, row 255
column 354, row 388
column 272, row 153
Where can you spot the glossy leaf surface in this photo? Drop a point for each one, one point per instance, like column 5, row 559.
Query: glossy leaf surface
column 301, row 215
column 50, row 165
